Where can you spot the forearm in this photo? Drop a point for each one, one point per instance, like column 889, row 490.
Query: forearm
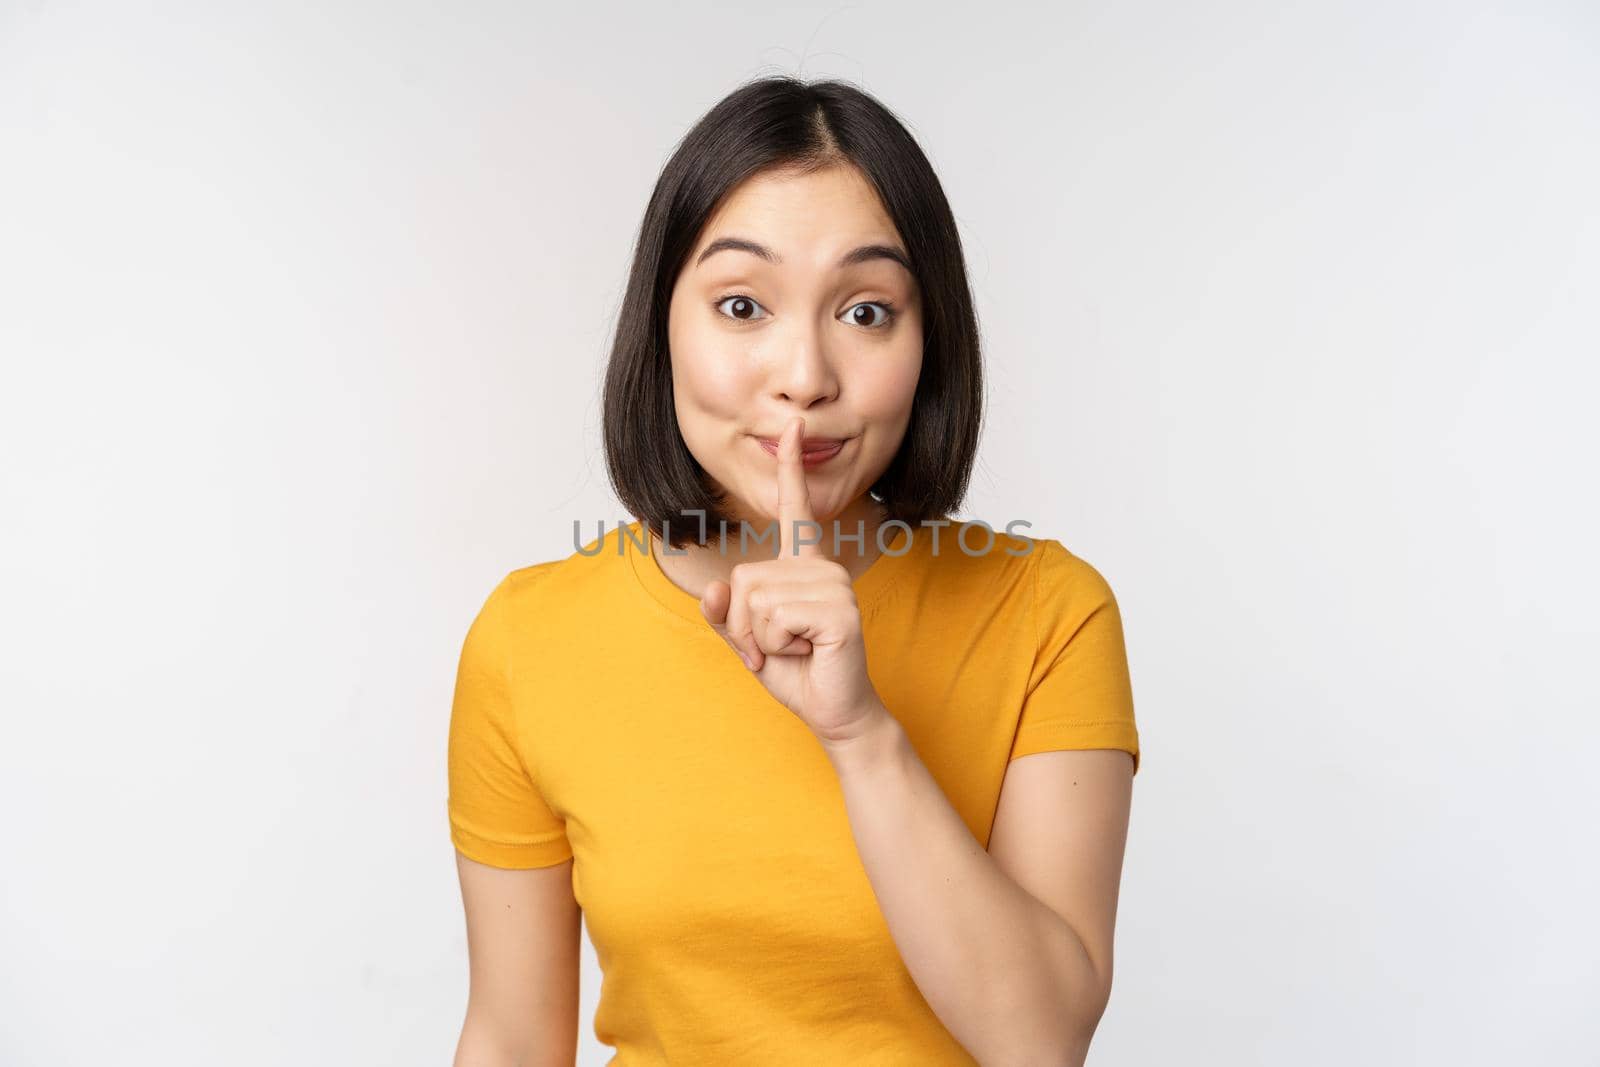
column 1005, row 975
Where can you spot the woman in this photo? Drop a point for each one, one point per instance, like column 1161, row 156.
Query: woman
column 853, row 793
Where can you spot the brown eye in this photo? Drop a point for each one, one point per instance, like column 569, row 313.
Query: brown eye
column 862, row 315
column 739, row 307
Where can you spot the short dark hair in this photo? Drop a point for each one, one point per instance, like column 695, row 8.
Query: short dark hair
column 782, row 122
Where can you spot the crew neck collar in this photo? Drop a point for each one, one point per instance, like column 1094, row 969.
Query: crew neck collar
column 869, row 586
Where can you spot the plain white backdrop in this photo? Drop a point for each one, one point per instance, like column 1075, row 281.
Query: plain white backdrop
column 1290, row 329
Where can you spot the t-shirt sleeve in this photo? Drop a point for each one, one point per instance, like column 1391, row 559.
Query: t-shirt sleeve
column 1079, row 694
column 497, row 815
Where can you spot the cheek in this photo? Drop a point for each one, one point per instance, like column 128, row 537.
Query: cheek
column 719, row 387
column 885, row 389
column 707, row 379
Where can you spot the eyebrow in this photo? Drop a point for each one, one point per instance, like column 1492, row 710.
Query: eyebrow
column 863, row 254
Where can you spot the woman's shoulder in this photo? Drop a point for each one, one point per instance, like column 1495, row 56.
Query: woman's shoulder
column 1020, row 555
column 976, row 546
column 573, row 579
column 1068, row 590
column 525, row 581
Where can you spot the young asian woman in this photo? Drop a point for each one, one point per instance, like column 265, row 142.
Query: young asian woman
column 855, row 789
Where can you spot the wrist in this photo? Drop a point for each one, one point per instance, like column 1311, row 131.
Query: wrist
column 879, row 737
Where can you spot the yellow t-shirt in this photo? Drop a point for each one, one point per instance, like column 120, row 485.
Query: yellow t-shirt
column 597, row 716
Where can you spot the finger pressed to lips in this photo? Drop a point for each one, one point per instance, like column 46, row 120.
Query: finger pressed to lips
column 794, row 496
column 755, row 591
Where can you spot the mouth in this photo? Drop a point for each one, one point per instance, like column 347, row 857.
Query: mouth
column 813, row 450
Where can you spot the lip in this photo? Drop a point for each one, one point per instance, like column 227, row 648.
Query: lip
column 814, row 451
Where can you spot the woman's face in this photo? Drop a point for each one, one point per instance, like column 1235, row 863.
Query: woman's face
column 809, row 314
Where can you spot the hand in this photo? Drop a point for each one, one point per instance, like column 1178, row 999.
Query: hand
column 794, row 619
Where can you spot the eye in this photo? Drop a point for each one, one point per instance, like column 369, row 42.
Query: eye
column 857, row 318
column 743, row 307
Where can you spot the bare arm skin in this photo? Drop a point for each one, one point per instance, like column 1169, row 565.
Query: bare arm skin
column 522, row 946
column 1012, row 946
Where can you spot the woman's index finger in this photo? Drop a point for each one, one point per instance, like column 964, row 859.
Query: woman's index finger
column 794, row 496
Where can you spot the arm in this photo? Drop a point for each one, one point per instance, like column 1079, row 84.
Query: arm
column 1011, row 947
column 522, row 947
column 513, row 859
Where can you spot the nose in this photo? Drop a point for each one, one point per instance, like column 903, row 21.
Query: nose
column 803, row 375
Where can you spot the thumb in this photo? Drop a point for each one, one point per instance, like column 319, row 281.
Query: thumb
column 714, row 604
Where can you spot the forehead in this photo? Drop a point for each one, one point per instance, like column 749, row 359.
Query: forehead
column 808, row 216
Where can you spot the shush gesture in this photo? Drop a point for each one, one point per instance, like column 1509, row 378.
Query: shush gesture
column 794, row 619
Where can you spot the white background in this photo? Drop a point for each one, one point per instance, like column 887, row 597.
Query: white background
column 1290, row 326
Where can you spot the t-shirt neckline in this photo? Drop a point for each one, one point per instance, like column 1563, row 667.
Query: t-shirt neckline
column 869, row 586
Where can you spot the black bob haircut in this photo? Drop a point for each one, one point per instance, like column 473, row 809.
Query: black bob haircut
column 784, row 123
